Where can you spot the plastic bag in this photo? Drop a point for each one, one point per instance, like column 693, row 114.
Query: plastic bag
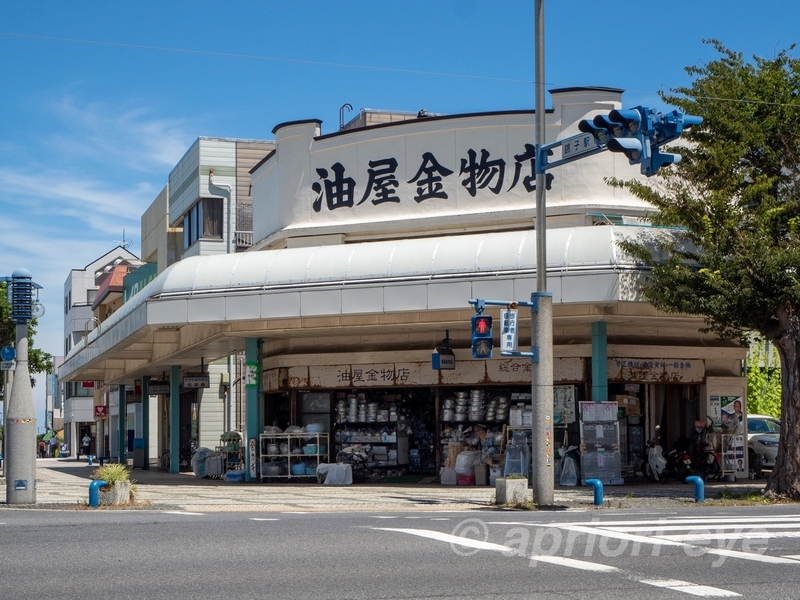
column 466, row 461
column 569, row 472
column 199, row 462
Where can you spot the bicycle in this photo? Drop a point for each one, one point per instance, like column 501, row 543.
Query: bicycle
column 186, row 455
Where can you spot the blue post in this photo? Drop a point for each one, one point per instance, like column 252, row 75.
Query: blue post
column 89, row 456
column 699, row 488
column 598, row 490
column 94, row 492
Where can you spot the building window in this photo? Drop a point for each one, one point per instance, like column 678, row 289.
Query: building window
column 203, row 221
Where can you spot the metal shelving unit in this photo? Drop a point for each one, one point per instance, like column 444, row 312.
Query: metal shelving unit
column 276, row 450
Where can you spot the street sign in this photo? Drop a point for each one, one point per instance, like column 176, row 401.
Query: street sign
column 158, row 388
column 8, row 353
column 508, row 331
column 8, row 365
column 577, row 144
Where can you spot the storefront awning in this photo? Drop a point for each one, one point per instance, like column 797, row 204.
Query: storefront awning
column 584, row 264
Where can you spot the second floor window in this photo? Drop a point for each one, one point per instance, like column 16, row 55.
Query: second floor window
column 203, row 221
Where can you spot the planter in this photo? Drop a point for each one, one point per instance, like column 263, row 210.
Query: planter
column 511, row 491
column 119, row 494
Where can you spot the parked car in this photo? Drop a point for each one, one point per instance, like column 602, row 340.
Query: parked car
column 763, row 437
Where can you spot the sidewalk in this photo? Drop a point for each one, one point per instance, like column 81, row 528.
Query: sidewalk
column 64, row 483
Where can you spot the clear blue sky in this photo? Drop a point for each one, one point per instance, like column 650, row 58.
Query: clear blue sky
column 101, row 99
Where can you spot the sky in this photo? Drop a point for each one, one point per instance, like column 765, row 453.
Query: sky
column 100, row 100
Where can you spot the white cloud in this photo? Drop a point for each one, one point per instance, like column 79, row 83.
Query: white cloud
column 123, row 135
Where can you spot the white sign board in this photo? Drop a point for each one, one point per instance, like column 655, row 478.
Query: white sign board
column 196, row 381
column 8, row 365
column 508, row 331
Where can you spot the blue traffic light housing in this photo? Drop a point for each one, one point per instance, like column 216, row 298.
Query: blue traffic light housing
column 635, row 149
column 631, row 120
column 482, row 343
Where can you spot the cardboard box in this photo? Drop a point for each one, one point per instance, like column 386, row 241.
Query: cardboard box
column 481, row 474
column 629, row 403
column 448, row 476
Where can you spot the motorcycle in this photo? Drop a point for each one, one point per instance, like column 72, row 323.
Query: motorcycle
column 679, row 461
column 654, row 466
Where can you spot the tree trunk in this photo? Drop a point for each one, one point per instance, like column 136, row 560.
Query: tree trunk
column 785, row 478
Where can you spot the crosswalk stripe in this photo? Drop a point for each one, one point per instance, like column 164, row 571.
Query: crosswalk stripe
column 690, row 588
column 708, row 527
column 181, row 512
column 743, row 535
column 481, row 545
column 765, row 558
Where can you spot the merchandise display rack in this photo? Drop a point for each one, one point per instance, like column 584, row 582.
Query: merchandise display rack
column 279, row 458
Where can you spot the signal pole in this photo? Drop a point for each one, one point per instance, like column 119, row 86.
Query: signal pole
column 541, row 307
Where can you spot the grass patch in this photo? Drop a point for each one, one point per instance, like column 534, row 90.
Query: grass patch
column 727, row 498
column 111, row 473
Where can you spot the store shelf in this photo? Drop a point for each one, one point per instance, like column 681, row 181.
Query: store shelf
column 284, row 464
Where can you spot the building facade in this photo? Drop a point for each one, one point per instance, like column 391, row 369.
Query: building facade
column 367, row 246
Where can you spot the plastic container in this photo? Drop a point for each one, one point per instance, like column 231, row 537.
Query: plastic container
column 465, row 479
column 310, row 449
column 299, row 469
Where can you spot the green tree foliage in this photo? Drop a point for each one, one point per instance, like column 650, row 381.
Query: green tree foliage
column 763, row 380
column 39, row 361
column 735, row 197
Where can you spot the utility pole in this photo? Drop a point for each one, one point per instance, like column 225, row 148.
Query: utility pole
column 541, row 307
column 20, row 432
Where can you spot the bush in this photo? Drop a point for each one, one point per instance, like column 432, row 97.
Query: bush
column 112, row 473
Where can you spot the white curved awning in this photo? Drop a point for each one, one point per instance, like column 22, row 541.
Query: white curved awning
column 583, row 263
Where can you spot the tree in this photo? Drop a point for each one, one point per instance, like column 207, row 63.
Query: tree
column 39, row 361
column 763, row 380
column 735, row 198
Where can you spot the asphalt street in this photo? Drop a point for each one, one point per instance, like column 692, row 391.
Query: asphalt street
column 748, row 552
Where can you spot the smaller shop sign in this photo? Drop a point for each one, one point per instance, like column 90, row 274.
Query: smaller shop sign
column 443, row 359
column 196, row 381
column 251, row 451
column 100, row 412
column 156, row 388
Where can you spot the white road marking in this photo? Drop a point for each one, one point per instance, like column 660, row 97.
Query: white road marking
column 710, row 526
column 432, row 519
column 683, row 521
column 743, row 535
column 376, row 517
column 690, row 588
column 642, row 539
column 181, row 512
column 794, row 556
column 583, row 565
column 765, row 558
column 260, row 519
column 413, row 517
column 508, row 551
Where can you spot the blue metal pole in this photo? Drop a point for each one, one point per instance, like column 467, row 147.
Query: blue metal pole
column 122, row 427
column 94, row 492
column 599, row 362
column 252, row 413
column 699, row 488
column 598, row 490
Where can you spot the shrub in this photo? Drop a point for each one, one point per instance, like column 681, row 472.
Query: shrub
column 112, row 473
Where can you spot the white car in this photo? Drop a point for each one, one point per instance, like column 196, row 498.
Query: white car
column 763, row 437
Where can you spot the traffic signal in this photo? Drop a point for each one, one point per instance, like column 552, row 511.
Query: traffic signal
column 638, row 133
column 482, row 343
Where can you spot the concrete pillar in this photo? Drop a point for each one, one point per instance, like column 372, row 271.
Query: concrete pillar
column 252, row 409
column 146, row 419
column 542, row 435
column 122, row 426
column 174, row 419
column 599, row 362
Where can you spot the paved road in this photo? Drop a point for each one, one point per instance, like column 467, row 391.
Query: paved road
column 725, row 552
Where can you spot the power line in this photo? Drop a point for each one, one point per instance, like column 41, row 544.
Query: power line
column 256, row 57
